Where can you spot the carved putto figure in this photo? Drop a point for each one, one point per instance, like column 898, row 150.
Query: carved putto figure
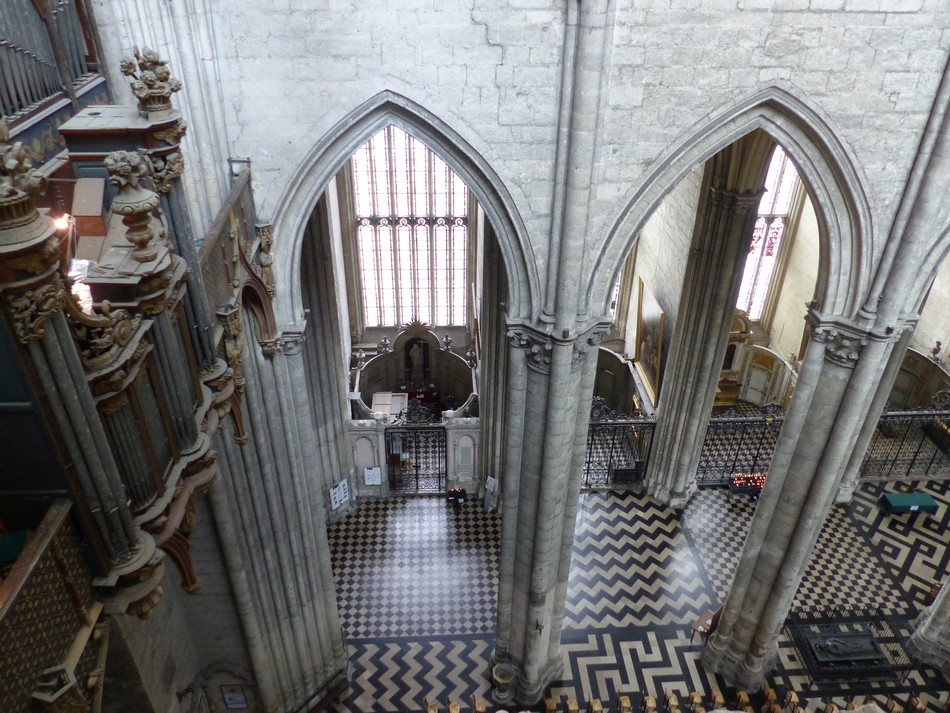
column 17, row 175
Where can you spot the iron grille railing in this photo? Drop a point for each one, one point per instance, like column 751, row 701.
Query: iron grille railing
column 618, row 447
column 737, row 444
column 43, row 54
column 416, row 456
column 909, row 444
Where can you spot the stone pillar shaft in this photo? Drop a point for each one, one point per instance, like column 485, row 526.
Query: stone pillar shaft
column 281, row 511
column 511, row 483
column 930, row 641
column 711, row 286
column 815, row 443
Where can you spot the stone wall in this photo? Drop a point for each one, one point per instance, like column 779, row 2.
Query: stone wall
column 290, row 71
column 798, row 286
column 661, row 255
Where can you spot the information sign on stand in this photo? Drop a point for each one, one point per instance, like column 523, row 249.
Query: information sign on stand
column 339, row 494
column 373, row 476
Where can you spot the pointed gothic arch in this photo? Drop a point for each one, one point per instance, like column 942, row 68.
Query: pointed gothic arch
column 331, row 152
column 824, row 164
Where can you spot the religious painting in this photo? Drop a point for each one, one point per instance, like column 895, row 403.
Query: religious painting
column 650, row 322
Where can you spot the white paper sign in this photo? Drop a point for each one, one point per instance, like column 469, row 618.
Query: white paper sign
column 372, row 476
column 491, row 484
column 339, row 494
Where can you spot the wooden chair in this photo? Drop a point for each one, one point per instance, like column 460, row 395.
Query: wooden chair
column 430, row 707
column 479, row 705
column 549, row 705
column 649, row 704
column 771, row 698
column 742, row 700
column 831, row 708
column 624, row 705
column 453, row 706
column 671, row 701
column 718, row 701
column 570, row 705
column 893, row 706
column 695, row 700
column 791, row 699
column 915, row 705
column 595, row 706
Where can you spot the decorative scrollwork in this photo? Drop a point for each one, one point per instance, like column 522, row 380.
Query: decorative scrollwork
column 30, row 309
column 166, row 169
column 99, row 337
column 415, row 412
column 940, row 401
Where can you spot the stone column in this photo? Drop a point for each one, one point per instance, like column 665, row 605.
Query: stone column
column 930, row 641
column 833, row 392
column 279, row 532
column 550, row 387
column 701, row 334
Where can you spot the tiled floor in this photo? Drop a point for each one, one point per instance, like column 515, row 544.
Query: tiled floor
column 417, row 593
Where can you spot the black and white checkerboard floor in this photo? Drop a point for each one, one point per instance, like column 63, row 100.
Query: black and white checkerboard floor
column 417, row 585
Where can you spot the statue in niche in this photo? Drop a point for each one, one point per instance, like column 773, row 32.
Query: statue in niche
column 417, row 362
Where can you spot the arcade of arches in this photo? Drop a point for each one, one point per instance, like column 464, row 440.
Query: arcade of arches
column 432, row 397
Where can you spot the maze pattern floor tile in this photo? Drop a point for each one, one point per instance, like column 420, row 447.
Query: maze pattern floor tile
column 631, row 566
column 416, row 567
column 637, row 581
column 914, row 546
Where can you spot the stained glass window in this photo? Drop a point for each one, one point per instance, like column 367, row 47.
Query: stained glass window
column 780, row 184
column 412, row 233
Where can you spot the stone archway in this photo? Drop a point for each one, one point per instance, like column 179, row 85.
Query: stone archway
column 331, row 152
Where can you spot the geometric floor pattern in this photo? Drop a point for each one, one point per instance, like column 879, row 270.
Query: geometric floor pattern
column 631, row 566
column 416, row 583
column 409, row 565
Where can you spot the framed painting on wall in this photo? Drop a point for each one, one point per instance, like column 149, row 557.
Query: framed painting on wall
column 650, row 323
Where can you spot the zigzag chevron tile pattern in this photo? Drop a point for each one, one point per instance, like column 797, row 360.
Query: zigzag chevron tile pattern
column 631, row 566
column 417, row 585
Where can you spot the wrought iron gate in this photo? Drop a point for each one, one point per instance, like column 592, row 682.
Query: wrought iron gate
column 415, row 452
column 911, row 444
column 618, row 447
column 738, row 444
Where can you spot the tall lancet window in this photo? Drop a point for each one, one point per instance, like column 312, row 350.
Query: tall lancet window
column 780, row 185
column 412, row 233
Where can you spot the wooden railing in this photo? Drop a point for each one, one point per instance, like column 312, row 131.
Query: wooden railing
column 53, row 651
column 46, row 50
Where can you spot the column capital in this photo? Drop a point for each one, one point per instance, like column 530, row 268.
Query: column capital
column 843, row 341
column 539, row 343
